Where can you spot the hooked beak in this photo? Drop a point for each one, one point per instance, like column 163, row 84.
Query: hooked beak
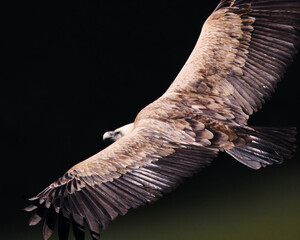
column 108, row 135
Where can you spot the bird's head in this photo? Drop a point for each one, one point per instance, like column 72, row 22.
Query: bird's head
column 118, row 133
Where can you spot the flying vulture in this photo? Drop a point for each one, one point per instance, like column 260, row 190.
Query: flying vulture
column 243, row 50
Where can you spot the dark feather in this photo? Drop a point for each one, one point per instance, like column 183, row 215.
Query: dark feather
column 49, row 223
column 268, row 146
column 63, row 227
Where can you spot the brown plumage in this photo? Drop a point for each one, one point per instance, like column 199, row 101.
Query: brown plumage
column 243, row 51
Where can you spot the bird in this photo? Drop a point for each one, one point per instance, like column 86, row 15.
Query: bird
column 243, row 51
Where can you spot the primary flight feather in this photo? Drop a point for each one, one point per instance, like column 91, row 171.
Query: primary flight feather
column 243, row 51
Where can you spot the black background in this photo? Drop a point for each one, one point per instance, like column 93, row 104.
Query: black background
column 73, row 71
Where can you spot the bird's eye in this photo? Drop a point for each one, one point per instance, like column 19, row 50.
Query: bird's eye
column 117, row 133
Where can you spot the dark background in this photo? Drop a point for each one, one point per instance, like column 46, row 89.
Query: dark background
column 72, row 72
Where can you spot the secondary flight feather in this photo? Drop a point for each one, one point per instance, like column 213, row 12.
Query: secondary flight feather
column 242, row 53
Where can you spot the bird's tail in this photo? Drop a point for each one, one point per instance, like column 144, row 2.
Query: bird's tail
column 269, row 145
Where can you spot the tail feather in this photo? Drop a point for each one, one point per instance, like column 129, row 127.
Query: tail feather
column 269, row 145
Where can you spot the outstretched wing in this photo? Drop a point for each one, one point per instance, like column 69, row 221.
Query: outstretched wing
column 243, row 51
column 135, row 170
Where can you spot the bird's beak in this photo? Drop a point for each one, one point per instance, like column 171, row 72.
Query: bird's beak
column 108, row 135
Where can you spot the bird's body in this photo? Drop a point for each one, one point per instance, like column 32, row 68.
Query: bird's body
column 241, row 54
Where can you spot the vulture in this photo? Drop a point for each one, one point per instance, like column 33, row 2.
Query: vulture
column 243, row 51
